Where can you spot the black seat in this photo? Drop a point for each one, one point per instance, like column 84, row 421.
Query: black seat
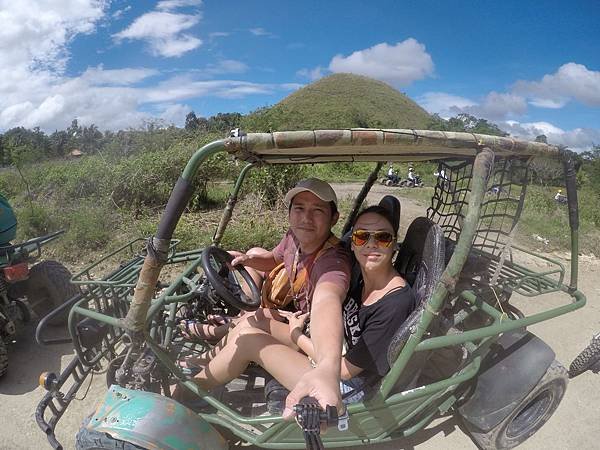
column 421, row 262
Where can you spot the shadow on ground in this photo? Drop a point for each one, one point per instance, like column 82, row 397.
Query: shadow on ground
column 27, row 359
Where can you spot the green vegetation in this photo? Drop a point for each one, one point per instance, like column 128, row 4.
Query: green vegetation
column 340, row 101
column 117, row 189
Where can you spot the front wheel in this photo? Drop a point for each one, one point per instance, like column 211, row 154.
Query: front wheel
column 48, row 287
column 529, row 416
column 3, row 358
column 95, row 440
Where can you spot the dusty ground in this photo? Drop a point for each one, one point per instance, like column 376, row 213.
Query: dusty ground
column 573, row 426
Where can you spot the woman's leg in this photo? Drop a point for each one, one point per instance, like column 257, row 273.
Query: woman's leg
column 254, row 345
column 262, row 319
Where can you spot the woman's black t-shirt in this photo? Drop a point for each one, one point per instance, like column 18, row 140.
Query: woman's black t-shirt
column 369, row 329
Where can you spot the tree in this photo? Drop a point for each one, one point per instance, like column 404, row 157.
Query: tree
column 465, row 123
column 191, row 121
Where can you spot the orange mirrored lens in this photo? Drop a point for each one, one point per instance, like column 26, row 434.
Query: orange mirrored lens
column 382, row 238
column 360, row 237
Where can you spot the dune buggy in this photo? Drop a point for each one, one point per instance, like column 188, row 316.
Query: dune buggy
column 464, row 351
column 26, row 288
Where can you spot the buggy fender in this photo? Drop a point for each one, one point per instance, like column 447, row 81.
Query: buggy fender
column 513, row 366
column 153, row 421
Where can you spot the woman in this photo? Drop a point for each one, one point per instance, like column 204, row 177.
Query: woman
column 372, row 311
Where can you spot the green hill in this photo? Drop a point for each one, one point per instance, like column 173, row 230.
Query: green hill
column 340, row 101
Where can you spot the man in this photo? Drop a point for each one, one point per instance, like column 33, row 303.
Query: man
column 308, row 248
column 392, row 175
column 559, row 197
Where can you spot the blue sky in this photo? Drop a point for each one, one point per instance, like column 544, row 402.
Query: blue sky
column 531, row 67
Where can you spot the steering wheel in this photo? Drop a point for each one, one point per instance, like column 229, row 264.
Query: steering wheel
column 214, row 262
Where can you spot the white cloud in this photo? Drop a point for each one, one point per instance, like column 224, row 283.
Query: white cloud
column 225, row 66
column 163, row 31
column 116, row 77
column 217, row 34
column 570, row 82
column 184, row 87
column 494, row 106
column 260, row 32
column 174, row 113
column 443, row 104
column 120, row 12
column 34, row 35
column 168, row 5
column 311, row 74
column 398, row 64
column 578, row 139
column 36, row 92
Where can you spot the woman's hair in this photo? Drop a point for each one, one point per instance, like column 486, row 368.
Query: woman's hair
column 383, row 212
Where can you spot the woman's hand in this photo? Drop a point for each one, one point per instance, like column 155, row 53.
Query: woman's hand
column 296, row 321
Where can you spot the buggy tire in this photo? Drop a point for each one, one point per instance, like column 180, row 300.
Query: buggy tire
column 586, row 359
column 388, row 183
column 409, row 184
column 529, row 415
column 48, row 287
column 3, row 358
column 95, row 440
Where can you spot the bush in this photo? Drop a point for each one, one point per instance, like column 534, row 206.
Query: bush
column 271, row 183
column 90, row 227
column 35, row 219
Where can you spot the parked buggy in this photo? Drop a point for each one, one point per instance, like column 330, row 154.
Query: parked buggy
column 27, row 288
column 498, row 378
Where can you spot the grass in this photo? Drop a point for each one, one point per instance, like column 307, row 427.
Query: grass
column 340, row 101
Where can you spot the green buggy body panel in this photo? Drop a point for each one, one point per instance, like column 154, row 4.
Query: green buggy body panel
column 8, row 222
column 153, row 421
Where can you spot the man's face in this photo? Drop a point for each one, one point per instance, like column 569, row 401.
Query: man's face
column 311, row 220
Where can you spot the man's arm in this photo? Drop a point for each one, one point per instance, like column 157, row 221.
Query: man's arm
column 326, row 333
column 263, row 260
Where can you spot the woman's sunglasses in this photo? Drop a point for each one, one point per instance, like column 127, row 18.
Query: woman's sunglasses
column 383, row 239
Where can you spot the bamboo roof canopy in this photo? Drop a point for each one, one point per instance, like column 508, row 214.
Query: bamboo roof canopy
column 364, row 144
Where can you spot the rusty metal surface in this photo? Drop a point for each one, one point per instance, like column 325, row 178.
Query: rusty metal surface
column 153, row 421
column 375, row 145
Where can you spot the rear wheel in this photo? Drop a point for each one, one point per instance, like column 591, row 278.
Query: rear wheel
column 95, row 440
column 529, row 416
column 48, row 287
column 388, row 183
column 3, row 358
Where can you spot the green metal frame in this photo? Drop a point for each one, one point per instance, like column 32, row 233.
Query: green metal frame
column 388, row 414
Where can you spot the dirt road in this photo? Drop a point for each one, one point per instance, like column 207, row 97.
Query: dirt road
column 575, row 425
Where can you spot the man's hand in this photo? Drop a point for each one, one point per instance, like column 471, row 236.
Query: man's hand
column 322, row 383
column 240, row 259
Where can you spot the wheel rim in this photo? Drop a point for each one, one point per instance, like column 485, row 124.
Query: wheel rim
column 530, row 415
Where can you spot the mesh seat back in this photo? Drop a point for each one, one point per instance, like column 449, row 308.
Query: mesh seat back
column 421, row 262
